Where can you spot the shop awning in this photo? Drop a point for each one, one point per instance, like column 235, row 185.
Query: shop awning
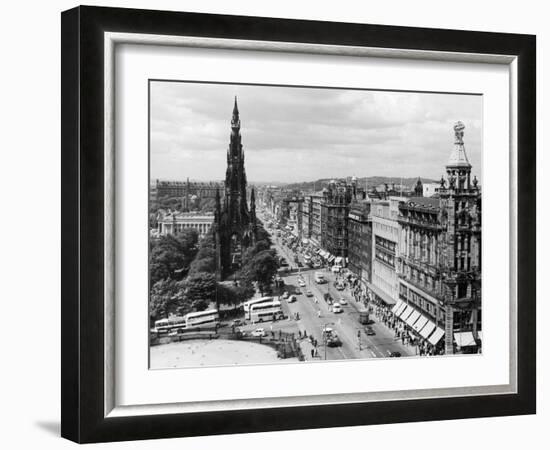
column 387, row 299
column 417, row 326
column 426, row 330
column 406, row 312
column 319, row 251
column 401, row 308
column 464, row 339
column 397, row 306
column 330, row 258
column 436, row 336
column 413, row 318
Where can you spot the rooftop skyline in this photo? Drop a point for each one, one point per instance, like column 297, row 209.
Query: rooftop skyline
column 304, row 134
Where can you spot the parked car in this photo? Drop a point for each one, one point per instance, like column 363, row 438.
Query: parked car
column 369, row 331
column 343, row 301
column 285, row 294
column 339, row 286
column 336, row 268
column 292, row 299
column 237, row 322
column 258, row 332
column 395, row 354
column 309, row 294
column 337, row 308
column 301, row 283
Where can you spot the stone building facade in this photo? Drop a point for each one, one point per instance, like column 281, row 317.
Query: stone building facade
column 334, row 217
column 360, row 240
column 439, row 260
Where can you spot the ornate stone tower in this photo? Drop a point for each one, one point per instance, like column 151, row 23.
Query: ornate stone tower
column 235, row 224
column 460, row 200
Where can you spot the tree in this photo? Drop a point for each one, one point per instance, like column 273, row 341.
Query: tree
column 171, row 255
column 200, row 290
column 261, row 268
column 166, row 298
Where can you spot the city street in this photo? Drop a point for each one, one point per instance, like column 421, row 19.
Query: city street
column 315, row 314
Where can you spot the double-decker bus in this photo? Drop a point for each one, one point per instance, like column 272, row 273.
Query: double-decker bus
column 255, row 301
column 172, row 323
column 263, row 312
column 202, row 318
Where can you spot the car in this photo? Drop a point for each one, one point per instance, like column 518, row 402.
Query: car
column 299, row 264
column 285, row 294
column 258, row 332
column 237, row 322
column 337, row 308
column 292, row 299
column 301, row 283
column 343, row 301
column 369, row 331
column 339, row 286
column 309, row 294
column 395, row 354
column 336, row 268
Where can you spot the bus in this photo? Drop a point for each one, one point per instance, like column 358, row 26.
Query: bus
column 255, row 301
column 172, row 323
column 202, row 318
column 261, row 312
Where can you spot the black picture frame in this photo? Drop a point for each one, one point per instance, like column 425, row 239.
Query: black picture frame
column 83, row 419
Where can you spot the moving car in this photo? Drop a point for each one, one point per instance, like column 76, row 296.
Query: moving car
column 301, row 283
column 285, row 294
column 343, row 301
column 339, row 286
column 369, row 331
column 337, row 308
column 292, row 299
column 336, row 268
column 309, row 294
column 237, row 322
column 394, row 354
column 331, row 338
column 258, row 332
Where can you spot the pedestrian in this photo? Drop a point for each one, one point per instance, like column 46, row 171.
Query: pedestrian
column 305, row 334
column 319, row 313
column 312, row 352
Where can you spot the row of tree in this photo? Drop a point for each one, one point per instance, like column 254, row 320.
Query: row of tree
column 183, row 274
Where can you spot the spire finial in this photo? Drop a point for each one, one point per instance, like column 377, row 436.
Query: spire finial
column 459, row 132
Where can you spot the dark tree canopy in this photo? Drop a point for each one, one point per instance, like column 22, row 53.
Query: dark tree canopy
column 166, row 298
column 200, row 290
column 171, row 255
column 261, row 268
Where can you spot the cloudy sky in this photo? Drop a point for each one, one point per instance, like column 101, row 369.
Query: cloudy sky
column 301, row 134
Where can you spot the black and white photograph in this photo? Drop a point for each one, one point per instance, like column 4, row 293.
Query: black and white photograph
column 297, row 224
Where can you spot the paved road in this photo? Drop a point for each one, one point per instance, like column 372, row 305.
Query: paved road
column 315, row 314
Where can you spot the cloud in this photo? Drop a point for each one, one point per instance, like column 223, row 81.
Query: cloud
column 293, row 134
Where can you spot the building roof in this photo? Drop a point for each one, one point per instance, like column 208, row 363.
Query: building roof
column 458, row 156
column 423, row 202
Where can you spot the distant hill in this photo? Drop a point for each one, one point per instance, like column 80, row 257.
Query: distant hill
column 370, row 182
